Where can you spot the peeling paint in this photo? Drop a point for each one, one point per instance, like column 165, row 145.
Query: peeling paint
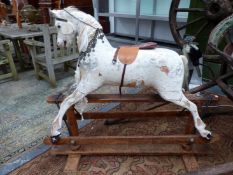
column 187, row 103
column 136, row 83
column 132, row 84
column 164, row 69
column 81, row 106
column 199, row 122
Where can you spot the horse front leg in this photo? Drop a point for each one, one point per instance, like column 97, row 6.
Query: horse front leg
column 86, row 86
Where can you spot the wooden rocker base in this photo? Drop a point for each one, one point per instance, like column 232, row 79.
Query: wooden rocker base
column 127, row 140
column 186, row 145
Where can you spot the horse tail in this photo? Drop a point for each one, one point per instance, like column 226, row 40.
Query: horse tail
column 186, row 72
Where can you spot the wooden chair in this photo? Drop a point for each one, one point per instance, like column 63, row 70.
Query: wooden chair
column 6, row 59
column 46, row 55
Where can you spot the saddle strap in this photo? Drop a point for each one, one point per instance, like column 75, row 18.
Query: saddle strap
column 122, row 78
column 114, row 60
column 123, row 72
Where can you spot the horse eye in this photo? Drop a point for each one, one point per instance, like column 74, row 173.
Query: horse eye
column 59, row 26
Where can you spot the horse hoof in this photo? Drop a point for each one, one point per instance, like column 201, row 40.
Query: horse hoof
column 209, row 136
column 55, row 139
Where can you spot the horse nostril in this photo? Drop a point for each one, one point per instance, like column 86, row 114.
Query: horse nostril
column 65, row 42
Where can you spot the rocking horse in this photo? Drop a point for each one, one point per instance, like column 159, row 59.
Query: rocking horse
column 100, row 64
column 160, row 68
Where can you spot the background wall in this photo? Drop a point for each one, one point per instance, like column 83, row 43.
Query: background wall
column 158, row 10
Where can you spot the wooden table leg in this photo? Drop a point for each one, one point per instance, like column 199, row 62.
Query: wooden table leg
column 18, row 54
column 72, row 163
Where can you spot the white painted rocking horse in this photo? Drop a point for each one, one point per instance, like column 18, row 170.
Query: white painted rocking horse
column 160, row 68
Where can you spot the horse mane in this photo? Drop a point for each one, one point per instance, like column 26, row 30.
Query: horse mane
column 70, row 8
column 85, row 17
column 87, row 29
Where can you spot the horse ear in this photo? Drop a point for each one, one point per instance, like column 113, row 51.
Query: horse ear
column 53, row 13
column 82, row 41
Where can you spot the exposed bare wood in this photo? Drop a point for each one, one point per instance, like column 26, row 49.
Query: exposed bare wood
column 72, row 163
column 190, row 163
column 72, row 122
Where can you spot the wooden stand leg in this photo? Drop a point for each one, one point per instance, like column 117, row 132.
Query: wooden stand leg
column 72, row 121
column 190, row 161
column 72, row 163
column 73, row 159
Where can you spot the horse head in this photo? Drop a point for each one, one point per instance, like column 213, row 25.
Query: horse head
column 71, row 23
column 65, row 29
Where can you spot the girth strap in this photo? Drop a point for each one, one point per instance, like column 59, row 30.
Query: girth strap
column 122, row 78
column 124, row 69
column 114, row 60
column 126, row 55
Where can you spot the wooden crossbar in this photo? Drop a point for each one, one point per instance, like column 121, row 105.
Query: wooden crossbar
column 130, row 140
column 136, row 98
column 132, row 150
column 129, row 114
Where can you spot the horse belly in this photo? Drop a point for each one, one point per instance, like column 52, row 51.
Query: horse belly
column 162, row 70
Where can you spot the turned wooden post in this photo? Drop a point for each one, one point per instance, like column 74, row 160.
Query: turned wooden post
column 44, row 5
column 72, row 121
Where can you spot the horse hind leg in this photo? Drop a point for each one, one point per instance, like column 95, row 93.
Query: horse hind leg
column 185, row 103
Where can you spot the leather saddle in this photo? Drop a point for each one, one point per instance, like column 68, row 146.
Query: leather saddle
column 128, row 54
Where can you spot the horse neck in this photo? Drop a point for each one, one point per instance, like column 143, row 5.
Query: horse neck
column 102, row 43
column 106, row 42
